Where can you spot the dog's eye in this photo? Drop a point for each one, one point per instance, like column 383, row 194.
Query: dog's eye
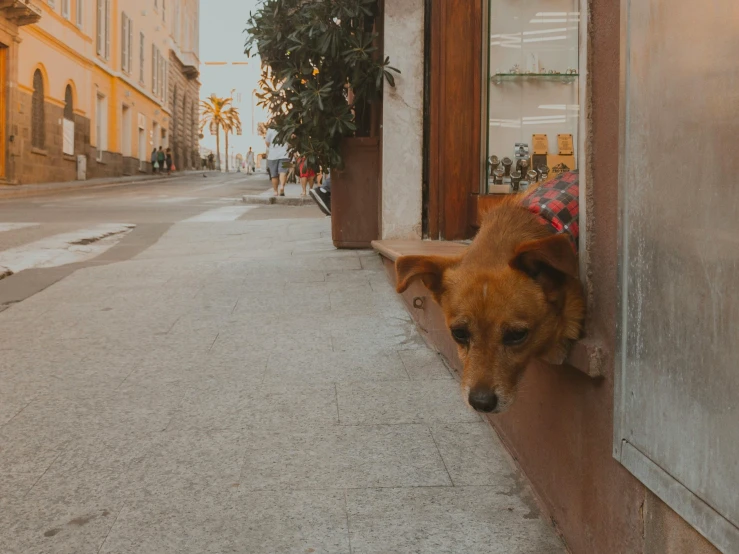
column 515, row 336
column 461, row 335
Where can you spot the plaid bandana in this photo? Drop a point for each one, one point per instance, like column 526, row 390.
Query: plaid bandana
column 557, row 203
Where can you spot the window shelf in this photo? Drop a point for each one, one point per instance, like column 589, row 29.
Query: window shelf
column 565, row 78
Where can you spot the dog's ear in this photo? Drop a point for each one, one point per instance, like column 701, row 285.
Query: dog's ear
column 548, row 261
column 430, row 269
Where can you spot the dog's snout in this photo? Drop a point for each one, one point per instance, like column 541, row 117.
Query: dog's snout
column 483, row 400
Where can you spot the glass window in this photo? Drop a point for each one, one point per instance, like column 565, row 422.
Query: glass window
column 532, row 92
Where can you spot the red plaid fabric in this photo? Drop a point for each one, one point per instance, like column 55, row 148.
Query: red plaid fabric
column 557, row 203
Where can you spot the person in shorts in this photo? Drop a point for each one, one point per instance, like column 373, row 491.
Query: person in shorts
column 307, row 175
column 277, row 162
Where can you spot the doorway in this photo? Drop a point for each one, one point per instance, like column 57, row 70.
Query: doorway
column 126, row 131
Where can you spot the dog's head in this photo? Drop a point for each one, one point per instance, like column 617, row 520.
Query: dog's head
column 504, row 315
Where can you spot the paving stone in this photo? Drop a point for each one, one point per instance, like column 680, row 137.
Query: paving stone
column 446, row 520
column 423, row 364
column 402, row 402
column 473, row 454
column 343, row 457
column 296, row 367
column 278, row 407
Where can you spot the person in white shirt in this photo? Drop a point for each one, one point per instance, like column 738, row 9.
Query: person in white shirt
column 277, row 161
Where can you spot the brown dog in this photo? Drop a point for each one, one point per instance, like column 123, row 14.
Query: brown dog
column 514, row 296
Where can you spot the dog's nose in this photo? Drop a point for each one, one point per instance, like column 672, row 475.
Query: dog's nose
column 483, row 400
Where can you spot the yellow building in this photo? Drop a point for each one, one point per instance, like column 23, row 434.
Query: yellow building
column 105, row 79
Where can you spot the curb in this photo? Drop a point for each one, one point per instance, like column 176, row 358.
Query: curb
column 258, row 200
column 7, row 193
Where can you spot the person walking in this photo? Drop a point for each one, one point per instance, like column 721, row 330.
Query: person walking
column 154, row 164
column 168, row 161
column 250, row 162
column 277, row 161
column 307, row 175
column 211, row 159
column 161, row 157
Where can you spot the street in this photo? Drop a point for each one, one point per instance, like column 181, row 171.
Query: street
column 217, row 377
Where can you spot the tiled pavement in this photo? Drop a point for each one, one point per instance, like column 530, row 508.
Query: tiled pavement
column 243, row 387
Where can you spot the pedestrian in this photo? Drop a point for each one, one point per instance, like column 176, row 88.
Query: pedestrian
column 307, row 175
column 168, row 161
column 277, row 162
column 210, row 161
column 154, row 164
column 161, row 157
column 322, row 195
column 250, row 161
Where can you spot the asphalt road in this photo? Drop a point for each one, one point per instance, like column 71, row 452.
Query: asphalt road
column 35, row 232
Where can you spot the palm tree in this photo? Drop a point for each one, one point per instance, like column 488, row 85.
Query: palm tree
column 213, row 111
column 231, row 124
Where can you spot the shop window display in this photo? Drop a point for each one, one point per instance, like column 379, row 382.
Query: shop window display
column 532, row 92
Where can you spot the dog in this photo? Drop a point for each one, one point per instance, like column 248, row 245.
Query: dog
column 514, row 296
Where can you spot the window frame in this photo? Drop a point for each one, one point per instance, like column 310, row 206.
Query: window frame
column 65, row 9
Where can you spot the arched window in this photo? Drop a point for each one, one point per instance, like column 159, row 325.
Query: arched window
column 68, row 103
column 38, row 119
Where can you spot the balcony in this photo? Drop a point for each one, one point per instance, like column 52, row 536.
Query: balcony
column 20, row 12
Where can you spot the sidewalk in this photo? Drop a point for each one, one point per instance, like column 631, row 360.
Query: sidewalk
column 243, row 387
column 22, row 191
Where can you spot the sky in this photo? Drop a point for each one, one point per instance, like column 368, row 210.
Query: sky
column 222, row 24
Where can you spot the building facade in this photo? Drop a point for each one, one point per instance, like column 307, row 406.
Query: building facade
column 89, row 86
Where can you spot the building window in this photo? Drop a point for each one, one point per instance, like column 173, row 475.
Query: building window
column 65, row 9
column 142, row 56
column 156, row 4
column 51, row 3
column 80, row 12
column 164, row 11
column 38, row 118
column 103, row 28
column 532, row 90
column 68, row 103
column 126, row 43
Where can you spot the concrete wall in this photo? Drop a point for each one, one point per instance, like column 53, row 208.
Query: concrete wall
column 402, row 139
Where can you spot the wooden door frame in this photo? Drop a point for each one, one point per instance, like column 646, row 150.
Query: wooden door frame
column 4, row 50
column 455, row 104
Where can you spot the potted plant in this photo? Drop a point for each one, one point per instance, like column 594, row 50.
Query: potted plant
column 322, row 78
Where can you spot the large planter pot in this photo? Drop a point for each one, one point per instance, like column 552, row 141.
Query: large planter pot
column 355, row 195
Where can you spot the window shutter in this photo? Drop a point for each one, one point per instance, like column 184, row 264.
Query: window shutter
column 142, row 56
column 107, row 29
column 124, row 46
column 100, row 26
column 130, row 45
column 154, row 69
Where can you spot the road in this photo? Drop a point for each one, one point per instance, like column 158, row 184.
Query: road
column 36, row 232
column 222, row 380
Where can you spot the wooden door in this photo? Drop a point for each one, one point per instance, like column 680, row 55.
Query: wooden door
column 3, row 107
column 455, row 102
